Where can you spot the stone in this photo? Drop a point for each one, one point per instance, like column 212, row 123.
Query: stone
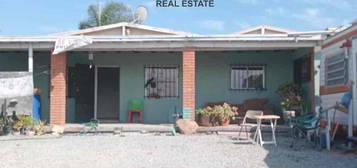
column 57, row 129
column 30, row 133
column 187, row 127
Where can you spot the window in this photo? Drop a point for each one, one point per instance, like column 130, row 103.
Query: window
column 161, row 82
column 336, row 70
column 248, row 77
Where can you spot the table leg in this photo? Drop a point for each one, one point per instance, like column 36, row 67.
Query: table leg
column 260, row 132
column 273, row 126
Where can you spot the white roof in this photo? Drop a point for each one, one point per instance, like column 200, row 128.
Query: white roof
column 120, row 25
column 262, row 29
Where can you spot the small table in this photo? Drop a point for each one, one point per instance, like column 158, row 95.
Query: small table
column 273, row 119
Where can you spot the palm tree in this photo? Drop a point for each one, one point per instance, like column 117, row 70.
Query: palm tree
column 111, row 12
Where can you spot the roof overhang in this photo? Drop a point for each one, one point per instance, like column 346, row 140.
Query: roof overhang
column 167, row 43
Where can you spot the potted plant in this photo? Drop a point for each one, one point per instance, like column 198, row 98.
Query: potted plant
column 291, row 99
column 219, row 114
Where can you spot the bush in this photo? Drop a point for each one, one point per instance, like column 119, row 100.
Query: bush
column 218, row 113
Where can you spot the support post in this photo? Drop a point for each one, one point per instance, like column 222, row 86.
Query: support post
column 30, row 58
column 189, row 82
column 58, row 89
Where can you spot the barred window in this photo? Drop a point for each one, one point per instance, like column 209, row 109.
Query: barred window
column 336, row 70
column 248, row 77
column 161, row 81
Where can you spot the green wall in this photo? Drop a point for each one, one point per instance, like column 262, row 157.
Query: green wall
column 18, row 61
column 213, row 75
column 131, row 66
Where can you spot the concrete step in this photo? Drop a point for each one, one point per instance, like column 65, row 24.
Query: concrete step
column 164, row 128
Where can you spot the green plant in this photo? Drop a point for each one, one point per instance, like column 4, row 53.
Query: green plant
column 218, row 113
column 24, row 121
column 39, row 127
column 291, row 95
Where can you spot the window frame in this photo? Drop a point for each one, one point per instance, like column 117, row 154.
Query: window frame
column 176, row 77
column 345, row 76
column 247, row 66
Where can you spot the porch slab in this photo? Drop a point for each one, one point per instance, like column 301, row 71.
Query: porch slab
column 124, row 127
column 164, row 128
column 236, row 128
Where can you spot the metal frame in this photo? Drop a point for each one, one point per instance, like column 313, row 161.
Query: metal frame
column 96, row 86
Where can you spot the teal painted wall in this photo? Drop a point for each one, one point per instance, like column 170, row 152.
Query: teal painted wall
column 41, row 76
column 13, row 61
column 18, row 61
column 213, row 75
column 131, row 66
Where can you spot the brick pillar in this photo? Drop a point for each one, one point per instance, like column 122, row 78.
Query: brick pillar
column 58, row 89
column 189, row 77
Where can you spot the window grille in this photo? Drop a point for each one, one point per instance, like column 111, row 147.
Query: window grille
column 248, row 77
column 336, row 70
column 161, row 81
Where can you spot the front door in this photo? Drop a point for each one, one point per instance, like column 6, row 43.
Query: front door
column 108, row 94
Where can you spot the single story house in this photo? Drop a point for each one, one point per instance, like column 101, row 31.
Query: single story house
column 189, row 70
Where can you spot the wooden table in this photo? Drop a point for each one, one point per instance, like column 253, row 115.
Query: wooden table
column 272, row 119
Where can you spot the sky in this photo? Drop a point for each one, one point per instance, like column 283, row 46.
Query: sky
column 40, row 17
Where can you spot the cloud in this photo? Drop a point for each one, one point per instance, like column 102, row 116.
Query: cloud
column 216, row 25
column 247, row 2
column 275, row 11
column 314, row 17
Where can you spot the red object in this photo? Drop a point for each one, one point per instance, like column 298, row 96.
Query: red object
column 347, row 44
column 130, row 117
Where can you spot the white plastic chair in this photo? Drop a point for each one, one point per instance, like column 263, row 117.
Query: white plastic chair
column 250, row 114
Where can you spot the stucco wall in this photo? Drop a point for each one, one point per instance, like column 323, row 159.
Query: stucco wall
column 131, row 66
column 213, row 75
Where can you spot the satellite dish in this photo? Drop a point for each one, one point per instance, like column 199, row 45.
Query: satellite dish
column 140, row 14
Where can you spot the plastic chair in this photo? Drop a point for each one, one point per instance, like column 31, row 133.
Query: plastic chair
column 135, row 106
column 250, row 114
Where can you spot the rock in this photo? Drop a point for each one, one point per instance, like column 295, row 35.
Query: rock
column 30, row 133
column 57, row 129
column 186, row 127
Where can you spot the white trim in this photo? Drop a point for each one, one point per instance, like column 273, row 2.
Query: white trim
column 95, row 92
column 30, row 58
column 123, row 24
column 263, row 28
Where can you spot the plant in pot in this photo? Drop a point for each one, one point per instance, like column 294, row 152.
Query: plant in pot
column 219, row 114
column 291, row 103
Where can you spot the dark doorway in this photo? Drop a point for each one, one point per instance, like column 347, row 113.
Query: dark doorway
column 84, row 93
column 108, row 94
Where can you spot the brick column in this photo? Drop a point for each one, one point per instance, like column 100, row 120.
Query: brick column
column 189, row 77
column 58, row 89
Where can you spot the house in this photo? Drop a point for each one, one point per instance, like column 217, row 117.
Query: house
column 338, row 66
column 172, row 71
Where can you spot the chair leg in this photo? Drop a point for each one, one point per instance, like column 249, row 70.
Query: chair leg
column 141, row 117
column 240, row 130
column 246, row 132
column 130, row 117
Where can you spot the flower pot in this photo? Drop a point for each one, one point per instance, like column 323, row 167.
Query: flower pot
column 224, row 122
column 203, row 120
column 288, row 114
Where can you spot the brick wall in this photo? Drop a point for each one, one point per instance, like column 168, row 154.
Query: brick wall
column 189, row 74
column 58, row 89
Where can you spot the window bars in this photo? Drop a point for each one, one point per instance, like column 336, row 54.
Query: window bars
column 161, row 81
column 248, row 77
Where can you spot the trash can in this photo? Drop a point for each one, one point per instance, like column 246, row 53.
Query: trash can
column 36, row 105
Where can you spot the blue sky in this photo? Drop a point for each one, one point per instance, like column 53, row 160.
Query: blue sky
column 33, row 17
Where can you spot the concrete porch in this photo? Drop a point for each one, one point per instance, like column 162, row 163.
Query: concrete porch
column 164, row 128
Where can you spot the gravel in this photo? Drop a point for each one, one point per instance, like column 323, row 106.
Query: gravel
column 141, row 151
